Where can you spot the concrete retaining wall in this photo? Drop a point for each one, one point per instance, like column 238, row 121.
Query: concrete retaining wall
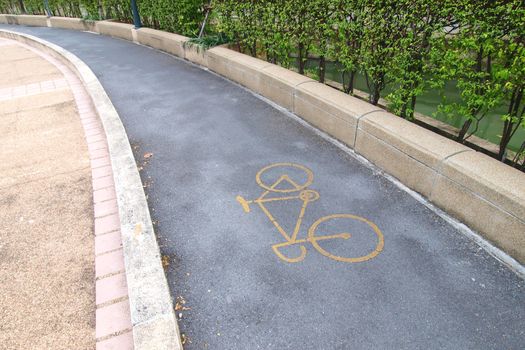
column 483, row 193
column 331, row 110
column 196, row 54
column 167, row 42
column 116, row 30
column 27, row 20
column 73, row 23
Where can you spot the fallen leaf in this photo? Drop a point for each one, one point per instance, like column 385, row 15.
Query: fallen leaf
column 165, row 261
column 148, row 155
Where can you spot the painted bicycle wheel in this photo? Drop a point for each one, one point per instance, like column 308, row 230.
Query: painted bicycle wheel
column 368, row 232
column 295, row 185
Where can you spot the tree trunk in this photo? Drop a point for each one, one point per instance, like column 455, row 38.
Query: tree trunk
column 403, row 111
column 71, row 10
column 412, row 107
column 509, row 127
column 238, row 42
column 374, row 96
column 300, row 60
column 100, row 10
column 519, row 154
column 351, row 82
column 322, row 69
column 504, row 142
column 375, row 86
column 22, row 6
column 464, row 130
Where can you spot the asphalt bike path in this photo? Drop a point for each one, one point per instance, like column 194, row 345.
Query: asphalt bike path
column 278, row 239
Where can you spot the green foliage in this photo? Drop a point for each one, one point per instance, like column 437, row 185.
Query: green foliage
column 486, row 59
column 179, row 16
column 209, row 41
column 411, row 45
column 10, row 6
column 34, row 7
column 417, row 40
column 511, row 72
column 242, row 21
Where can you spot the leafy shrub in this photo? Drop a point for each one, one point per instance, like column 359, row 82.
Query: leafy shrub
column 412, row 45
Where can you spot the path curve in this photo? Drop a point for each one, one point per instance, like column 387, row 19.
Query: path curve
column 203, row 140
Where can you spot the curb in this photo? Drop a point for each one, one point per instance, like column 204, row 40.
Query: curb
column 153, row 319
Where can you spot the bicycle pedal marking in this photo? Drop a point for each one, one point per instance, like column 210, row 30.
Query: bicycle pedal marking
column 298, row 190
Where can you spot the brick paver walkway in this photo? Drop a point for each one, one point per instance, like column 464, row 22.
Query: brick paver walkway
column 61, row 260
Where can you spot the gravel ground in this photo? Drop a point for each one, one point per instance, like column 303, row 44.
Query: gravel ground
column 47, row 298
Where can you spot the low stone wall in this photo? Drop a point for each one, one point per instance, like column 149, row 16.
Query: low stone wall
column 26, row 20
column 116, row 30
column 73, row 23
column 167, row 42
column 332, row 111
column 195, row 54
column 483, row 193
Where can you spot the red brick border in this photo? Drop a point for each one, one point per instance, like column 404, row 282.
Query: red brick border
column 113, row 320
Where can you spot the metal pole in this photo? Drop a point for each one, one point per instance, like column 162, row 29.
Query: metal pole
column 46, row 5
column 207, row 9
column 136, row 15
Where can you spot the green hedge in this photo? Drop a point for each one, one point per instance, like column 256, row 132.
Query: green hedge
column 180, row 16
column 413, row 46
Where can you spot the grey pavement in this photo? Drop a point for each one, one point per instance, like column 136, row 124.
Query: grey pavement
column 429, row 288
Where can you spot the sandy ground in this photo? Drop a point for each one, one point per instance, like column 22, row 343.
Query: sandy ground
column 47, row 292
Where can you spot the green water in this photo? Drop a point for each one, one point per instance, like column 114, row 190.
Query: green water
column 489, row 128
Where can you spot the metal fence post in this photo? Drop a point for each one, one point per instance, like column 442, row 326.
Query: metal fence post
column 46, row 6
column 136, row 15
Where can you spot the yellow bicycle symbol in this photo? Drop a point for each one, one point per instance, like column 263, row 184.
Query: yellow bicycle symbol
column 299, row 191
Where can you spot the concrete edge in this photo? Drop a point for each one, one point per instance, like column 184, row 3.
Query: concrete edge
column 287, row 89
column 72, row 23
column 117, row 30
column 150, row 301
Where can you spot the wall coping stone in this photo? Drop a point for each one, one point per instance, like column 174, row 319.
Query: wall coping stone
column 419, row 143
column 497, row 182
column 337, row 99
